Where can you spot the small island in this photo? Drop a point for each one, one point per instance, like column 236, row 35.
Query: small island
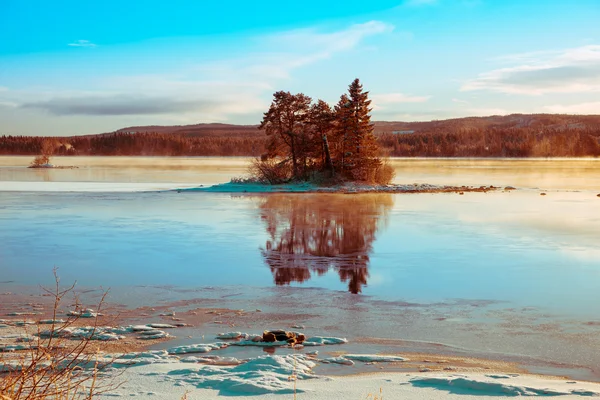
column 312, row 142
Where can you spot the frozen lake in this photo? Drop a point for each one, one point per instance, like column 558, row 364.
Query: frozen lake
column 511, row 272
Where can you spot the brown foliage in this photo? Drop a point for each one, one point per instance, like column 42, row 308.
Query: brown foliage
column 54, row 366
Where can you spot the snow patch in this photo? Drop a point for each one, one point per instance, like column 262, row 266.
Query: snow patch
column 258, row 376
column 85, row 332
column 337, row 360
column 87, row 313
column 374, row 358
column 232, row 335
column 197, row 348
column 321, row 341
column 490, row 387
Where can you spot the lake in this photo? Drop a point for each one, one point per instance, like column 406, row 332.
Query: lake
column 513, row 273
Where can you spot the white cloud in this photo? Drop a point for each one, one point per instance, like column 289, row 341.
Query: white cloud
column 574, row 70
column 582, row 108
column 82, row 43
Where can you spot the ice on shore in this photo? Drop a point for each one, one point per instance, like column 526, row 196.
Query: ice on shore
column 337, row 360
column 374, row 358
column 213, row 360
column 83, row 332
column 490, row 386
column 261, row 375
column 321, row 341
column 87, row 313
column 232, row 335
column 197, row 348
column 348, row 359
column 162, row 326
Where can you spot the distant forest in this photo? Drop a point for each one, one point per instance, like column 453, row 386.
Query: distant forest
column 537, row 135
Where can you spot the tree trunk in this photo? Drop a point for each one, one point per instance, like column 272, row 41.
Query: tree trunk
column 294, row 159
column 328, row 163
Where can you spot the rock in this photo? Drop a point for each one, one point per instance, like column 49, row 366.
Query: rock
column 542, row 194
column 510, row 188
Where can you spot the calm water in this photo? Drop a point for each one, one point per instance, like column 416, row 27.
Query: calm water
column 509, row 261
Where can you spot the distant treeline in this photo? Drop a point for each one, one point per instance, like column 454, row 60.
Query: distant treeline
column 128, row 144
column 496, row 141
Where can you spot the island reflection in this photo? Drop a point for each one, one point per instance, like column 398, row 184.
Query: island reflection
column 313, row 233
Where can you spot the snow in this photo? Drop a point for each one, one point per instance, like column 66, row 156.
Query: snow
column 85, row 332
column 197, row 348
column 213, row 360
column 374, row 358
column 232, row 335
column 260, row 375
column 490, row 386
column 87, row 313
column 151, row 335
column 274, row 376
column 162, row 326
column 337, row 360
column 321, row 341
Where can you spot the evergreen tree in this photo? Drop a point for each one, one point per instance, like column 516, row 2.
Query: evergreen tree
column 363, row 151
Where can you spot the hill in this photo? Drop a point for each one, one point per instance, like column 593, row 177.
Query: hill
column 516, row 135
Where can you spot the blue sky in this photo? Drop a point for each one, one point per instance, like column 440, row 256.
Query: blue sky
column 73, row 67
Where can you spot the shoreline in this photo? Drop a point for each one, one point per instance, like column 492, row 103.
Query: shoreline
column 421, row 357
column 346, row 188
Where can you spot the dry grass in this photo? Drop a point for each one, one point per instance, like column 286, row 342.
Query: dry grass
column 54, row 365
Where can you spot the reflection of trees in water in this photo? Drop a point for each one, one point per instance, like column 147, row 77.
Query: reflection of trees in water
column 313, row 233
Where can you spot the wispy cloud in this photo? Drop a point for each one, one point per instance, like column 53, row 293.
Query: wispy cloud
column 582, row 108
column 570, row 71
column 382, row 99
column 209, row 91
column 82, row 43
column 298, row 48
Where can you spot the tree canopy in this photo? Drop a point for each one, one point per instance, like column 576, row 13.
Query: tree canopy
column 309, row 140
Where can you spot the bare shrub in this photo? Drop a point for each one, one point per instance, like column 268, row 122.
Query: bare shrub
column 40, row 160
column 384, row 173
column 270, row 170
column 53, row 364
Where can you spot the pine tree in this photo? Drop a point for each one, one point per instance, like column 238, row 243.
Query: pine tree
column 342, row 134
column 363, row 141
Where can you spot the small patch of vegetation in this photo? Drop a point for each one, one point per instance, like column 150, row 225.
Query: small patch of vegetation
column 52, row 364
column 43, row 160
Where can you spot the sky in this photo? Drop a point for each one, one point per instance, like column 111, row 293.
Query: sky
column 79, row 67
